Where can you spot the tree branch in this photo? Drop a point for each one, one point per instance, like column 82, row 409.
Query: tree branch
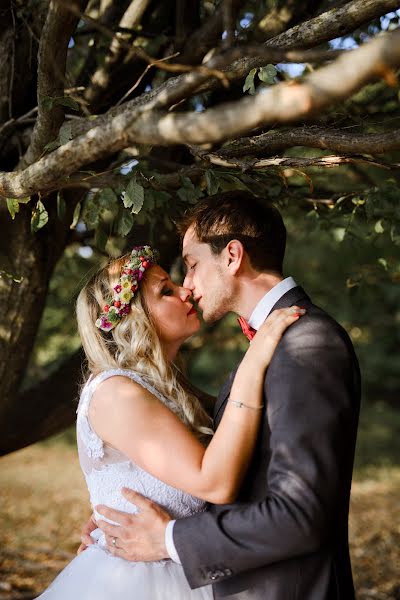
column 58, row 28
column 281, row 15
column 204, row 78
column 101, row 77
column 287, row 161
column 318, row 30
column 333, row 23
column 283, row 103
column 314, row 137
column 228, row 23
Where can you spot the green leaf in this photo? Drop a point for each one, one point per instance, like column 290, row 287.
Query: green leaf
column 13, row 207
column 395, row 234
column 267, row 74
column 134, row 196
column 339, row 233
column 188, row 192
column 124, row 223
column 65, row 133
column 91, row 216
column 39, row 217
column 185, row 195
column 107, row 197
column 379, row 227
column 75, row 218
column 231, row 182
column 52, row 146
column 212, row 182
column 383, row 262
column 48, row 102
column 161, row 198
column 249, row 82
column 100, row 238
column 60, row 205
column 67, row 101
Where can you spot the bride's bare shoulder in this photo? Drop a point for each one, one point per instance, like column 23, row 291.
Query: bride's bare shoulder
column 119, row 389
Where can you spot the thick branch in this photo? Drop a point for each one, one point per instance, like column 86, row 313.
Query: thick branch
column 314, row 137
column 321, row 29
column 333, row 23
column 178, row 88
column 282, row 103
column 57, row 31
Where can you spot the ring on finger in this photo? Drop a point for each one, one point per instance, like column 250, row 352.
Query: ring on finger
column 114, row 542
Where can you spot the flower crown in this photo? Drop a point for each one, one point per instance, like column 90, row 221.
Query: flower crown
column 142, row 258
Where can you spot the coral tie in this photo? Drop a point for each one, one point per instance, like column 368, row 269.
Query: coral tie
column 248, row 331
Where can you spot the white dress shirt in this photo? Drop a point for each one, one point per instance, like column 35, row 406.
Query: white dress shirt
column 257, row 318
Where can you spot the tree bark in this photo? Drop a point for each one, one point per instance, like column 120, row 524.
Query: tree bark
column 34, row 415
column 282, row 103
column 30, row 258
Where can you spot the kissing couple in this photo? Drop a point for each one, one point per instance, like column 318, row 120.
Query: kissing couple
column 253, row 503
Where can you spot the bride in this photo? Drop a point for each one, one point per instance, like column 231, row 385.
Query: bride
column 140, row 426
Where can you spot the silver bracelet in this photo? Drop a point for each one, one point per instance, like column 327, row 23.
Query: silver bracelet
column 242, row 404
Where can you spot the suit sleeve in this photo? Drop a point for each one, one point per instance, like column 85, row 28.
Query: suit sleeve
column 312, row 415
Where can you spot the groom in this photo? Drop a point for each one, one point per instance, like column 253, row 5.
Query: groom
column 286, row 536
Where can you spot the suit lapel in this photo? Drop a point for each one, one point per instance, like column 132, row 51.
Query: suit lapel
column 293, row 296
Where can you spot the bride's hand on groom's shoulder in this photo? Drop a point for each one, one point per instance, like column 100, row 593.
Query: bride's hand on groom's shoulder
column 266, row 339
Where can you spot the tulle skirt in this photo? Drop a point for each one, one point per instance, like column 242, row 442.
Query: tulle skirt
column 97, row 575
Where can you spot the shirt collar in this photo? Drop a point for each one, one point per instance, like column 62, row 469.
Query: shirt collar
column 267, row 302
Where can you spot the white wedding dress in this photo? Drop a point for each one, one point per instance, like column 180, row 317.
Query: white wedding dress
column 95, row 574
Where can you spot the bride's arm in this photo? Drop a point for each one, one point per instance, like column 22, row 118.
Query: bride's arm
column 131, row 419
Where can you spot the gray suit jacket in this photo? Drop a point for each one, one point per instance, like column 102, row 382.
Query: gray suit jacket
column 286, row 537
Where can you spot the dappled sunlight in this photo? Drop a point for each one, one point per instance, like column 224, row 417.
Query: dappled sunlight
column 44, row 502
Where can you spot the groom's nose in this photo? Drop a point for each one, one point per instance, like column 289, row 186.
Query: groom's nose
column 184, row 293
column 187, row 282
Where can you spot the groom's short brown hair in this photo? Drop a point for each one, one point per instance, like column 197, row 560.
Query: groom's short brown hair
column 239, row 215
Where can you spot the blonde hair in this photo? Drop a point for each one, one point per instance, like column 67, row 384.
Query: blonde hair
column 133, row 344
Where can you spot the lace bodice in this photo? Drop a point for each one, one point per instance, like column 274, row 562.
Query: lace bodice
column 107, row 470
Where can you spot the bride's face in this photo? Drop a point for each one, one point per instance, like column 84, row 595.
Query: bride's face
column 170, row 307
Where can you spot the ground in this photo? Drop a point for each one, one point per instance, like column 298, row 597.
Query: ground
column 44, row 501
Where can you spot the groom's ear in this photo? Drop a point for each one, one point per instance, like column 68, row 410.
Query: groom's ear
column 234, row 255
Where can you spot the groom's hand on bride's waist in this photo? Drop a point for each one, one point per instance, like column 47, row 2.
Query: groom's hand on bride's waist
column 138, row 537
column 87, row 529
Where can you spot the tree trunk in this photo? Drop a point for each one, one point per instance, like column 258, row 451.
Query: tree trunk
column 30, row 259
column 44, row 410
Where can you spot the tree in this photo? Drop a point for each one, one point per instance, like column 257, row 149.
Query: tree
column 117, row 115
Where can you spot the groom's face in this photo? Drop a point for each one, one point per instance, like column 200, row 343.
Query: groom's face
column 206, row 277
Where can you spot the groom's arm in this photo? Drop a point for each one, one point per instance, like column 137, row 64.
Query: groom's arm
column 312, row 415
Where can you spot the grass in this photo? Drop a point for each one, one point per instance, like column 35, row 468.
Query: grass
column 44, row 501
